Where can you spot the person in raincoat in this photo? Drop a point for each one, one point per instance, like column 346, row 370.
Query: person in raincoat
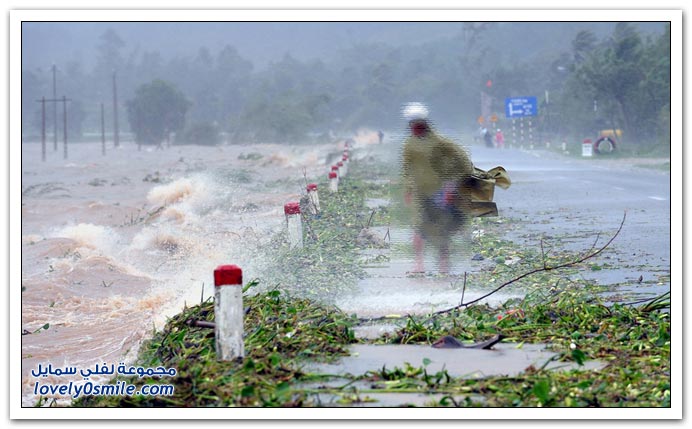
column 499, row 139
column 488, row 138
column 442, row 186
column 433, row 168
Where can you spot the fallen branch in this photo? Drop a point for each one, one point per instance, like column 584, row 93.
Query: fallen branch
column 542, row 254
column 587, row 256
column 463, row 291
column 655, row 303
column 201, row 324
column 462, row 304
column 370, row 220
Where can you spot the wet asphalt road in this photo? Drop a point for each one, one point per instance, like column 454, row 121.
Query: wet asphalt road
column 558, row 196
column 576, row 199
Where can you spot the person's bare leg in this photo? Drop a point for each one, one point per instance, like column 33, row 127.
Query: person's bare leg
column 443, row 258
column 418, row 246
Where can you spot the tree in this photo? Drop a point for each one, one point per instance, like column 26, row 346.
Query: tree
column 287, row 117
column 109, row 60
column 110, row 51
column 629, row 78
column 199, row 133
column 157, row 109
column 33, row 88
column 227, row 87
column 583, row 43
column 75, row 119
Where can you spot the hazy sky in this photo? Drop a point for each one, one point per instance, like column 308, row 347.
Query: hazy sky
column 260, row 42
column 44, row 43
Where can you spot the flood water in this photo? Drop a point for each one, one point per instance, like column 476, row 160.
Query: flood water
column 503, row 359
column 113, row 245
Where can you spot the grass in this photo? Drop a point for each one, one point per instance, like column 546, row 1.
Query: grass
column 633, row 342
column 281, row 330
column 327, row 265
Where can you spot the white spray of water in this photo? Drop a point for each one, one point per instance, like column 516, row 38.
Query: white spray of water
column 182, row 246
column 175, row 250
column 98, row 237
column 190, row 189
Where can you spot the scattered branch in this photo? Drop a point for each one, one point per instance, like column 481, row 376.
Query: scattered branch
column 370, row 220
column 588, row 255
column 201, row 324
column 651, row 303
column 593, row 246
column 543, row 254
column 463, row 291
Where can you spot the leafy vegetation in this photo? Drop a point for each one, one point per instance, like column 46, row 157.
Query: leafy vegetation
column 327, row 265
column 280, row 330
column 627, row 76
column 157, row 109
column 201, row 133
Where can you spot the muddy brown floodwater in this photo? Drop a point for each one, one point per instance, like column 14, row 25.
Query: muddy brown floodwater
column 113, row 245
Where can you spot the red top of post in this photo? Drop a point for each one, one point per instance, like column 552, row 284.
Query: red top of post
column 345, row 157
column 292, row 208
column 335, row 167
column 340, row 164
column 312, row 187
column 228, row 275
column 587, row 141
column 332, row 174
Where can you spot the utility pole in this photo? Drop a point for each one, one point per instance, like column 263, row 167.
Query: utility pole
column 116, row 135
column 43, row 128
column 64, row 121
column 55, row 101
column 55, row 114
column 103, row 133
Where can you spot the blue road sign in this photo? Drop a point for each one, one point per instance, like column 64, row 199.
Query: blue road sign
column 520, row 107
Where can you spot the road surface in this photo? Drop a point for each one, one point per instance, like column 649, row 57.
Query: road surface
column 552, row 197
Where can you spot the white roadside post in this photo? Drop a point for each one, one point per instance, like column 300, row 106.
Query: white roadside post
column 335, row 169
column 228, row 312
column 314, row 198
column 342, row 168
column 294, row 225
column 587, row 148
column 333, row 182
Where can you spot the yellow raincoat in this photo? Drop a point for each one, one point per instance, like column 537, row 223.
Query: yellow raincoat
column 446, row 189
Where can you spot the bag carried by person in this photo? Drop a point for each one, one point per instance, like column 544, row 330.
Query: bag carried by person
column 479, row 190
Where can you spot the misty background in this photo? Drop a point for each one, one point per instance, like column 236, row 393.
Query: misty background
column 298, row 82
